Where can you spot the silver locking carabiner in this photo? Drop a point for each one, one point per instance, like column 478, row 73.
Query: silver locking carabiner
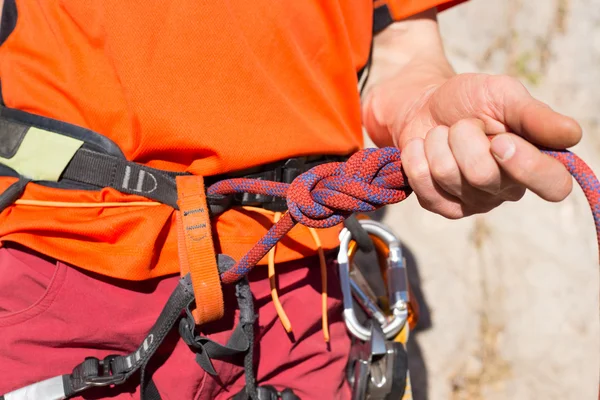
column 397, row 283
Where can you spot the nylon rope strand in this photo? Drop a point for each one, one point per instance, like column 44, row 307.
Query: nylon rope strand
column 322, row 197
column 371, row 178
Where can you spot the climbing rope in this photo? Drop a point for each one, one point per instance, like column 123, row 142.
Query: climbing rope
column 327, row 194
column 322, row 197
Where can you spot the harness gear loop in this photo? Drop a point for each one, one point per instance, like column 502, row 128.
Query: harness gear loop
column 196, row 249
column 397, row 284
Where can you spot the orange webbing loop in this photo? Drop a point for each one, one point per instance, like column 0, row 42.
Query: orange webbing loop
column 285, row 321
column 196, row 250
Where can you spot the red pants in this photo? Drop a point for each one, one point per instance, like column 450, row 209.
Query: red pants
column 52, row 316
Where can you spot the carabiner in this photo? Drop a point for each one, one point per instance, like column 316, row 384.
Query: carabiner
column 396, row 277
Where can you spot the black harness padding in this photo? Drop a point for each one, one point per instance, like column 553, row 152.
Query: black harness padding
column 11, row 136
column 99, row 164
column 92, row 140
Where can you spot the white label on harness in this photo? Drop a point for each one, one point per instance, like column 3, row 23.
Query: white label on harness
column 139, row 186
column 137, row 356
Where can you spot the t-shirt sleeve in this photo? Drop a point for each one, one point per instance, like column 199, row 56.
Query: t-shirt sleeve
column 400, row 9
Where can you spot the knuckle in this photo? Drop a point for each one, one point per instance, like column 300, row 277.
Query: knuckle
column 418, row 172
column 443, row 169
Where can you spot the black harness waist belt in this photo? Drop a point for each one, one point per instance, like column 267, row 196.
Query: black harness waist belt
column 87, row 160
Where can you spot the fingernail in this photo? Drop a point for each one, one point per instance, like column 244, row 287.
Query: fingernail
column 503, row 147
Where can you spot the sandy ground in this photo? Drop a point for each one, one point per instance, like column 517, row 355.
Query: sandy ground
column 513, row 295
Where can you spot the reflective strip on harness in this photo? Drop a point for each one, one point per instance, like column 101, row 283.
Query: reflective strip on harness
column 196, row 250
column 42, row 155
column 50, row 389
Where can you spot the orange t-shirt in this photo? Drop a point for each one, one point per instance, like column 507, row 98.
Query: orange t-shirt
column 196, row 86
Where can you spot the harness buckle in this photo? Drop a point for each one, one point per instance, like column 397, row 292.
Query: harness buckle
column 104, row 374
column 397, row 281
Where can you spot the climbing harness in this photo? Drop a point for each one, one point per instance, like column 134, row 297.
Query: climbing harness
column 317, row 196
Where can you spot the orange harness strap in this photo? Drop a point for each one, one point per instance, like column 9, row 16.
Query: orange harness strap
column 196, row 250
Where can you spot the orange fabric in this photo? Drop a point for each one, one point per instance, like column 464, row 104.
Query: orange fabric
column 400, row 9
column 206, row 87
column 196, row 250
column 135, row 243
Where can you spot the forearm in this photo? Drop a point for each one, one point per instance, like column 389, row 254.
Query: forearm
column 408, row 63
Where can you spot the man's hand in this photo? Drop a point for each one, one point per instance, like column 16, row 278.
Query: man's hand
column 443, row 124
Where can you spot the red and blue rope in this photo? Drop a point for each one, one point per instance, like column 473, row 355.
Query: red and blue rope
column 325, row 195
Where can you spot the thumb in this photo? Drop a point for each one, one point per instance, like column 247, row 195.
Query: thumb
column 529, row 117
column 528, row 166
column 504, row 105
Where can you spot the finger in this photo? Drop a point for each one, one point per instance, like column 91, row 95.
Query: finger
column 523, row 162
column 445, row 173
column 529, row 117
column 442, row 164
column 430, row 196
column 471, row 150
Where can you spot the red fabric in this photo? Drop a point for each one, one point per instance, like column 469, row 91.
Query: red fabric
column 52, row 316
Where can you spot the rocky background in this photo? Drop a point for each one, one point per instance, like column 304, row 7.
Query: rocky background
column 513, row 295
